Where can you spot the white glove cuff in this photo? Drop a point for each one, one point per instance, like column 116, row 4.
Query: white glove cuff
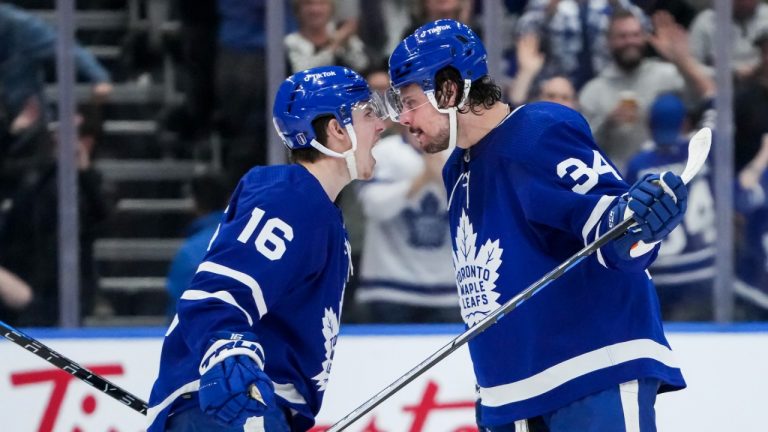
column 225, row 348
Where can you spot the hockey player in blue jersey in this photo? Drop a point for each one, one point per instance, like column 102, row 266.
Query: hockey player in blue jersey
column 528, row 189
column 253, row 340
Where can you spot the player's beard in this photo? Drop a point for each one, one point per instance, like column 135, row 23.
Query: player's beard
column 438, row 143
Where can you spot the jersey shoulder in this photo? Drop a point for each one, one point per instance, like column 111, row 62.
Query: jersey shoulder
column 541, row 128
column 286, row 191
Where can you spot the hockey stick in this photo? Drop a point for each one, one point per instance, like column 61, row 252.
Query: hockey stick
column 96, row 381
column 698, row 149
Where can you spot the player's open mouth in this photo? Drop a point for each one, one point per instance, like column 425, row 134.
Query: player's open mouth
column 417, row 133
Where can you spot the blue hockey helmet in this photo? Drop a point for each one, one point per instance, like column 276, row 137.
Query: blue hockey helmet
column 434, row 46
column 316, row 92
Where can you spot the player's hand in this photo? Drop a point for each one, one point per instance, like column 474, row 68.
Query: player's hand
column 658, row 204
column 233, row 386
column 234, row 390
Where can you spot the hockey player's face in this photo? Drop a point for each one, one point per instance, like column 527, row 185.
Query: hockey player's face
column 368, row 128
column 424, row 122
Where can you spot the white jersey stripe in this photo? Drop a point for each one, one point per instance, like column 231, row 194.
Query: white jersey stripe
column 221, row 295
column 152, row 412
column 684, row 277
column 289, row 393
column 575, row 367
column 595, row 216
column 258, row 296
column 396, row 296
column 682, row 259
column 630, row 405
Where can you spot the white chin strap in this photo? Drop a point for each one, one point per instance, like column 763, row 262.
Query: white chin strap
column 451, row 111
column 348, row 156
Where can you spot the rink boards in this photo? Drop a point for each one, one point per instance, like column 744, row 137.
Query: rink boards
column 726, row 368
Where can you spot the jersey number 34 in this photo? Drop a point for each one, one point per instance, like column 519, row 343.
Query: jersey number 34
column 585, row 177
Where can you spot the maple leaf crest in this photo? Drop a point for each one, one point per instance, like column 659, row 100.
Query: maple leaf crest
column 476, row 272
column 330, row 333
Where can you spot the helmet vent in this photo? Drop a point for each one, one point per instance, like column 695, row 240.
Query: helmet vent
column 462, row 39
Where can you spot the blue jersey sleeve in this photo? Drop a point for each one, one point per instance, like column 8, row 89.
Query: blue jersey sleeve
column 567, row 185
column 260, row 253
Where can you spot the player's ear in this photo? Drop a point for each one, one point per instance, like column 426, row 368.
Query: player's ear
column 335, row 133
column 446, row 97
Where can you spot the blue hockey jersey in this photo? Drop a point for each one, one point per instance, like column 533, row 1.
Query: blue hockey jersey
column 687, row 255
column 523, row 199
column 276, row 267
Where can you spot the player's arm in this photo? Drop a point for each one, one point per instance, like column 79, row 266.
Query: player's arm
column 573, row 188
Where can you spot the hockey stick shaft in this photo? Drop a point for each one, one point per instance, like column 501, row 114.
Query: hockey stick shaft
column 96, row 381
column 698, row 149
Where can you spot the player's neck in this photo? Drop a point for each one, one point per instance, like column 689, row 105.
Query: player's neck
column 327, row 171
column 473, row 127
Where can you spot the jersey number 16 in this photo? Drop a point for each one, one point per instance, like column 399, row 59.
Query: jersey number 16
column 271, row 239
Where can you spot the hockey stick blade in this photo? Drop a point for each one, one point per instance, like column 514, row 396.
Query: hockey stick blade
column 698, row 150
column 96, row 381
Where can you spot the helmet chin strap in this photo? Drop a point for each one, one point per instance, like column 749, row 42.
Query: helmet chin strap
column 348, row 156
column 451, row 111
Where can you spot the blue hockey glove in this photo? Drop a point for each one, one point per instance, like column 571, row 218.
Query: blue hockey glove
column 658, row 204
column 233, row 386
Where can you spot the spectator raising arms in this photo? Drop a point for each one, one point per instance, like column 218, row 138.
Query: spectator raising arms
column 319, row 43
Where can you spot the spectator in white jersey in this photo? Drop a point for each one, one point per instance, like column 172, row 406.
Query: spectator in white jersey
column 526, row 190
column 318, row 41
column 406, row 274
column 252, row 343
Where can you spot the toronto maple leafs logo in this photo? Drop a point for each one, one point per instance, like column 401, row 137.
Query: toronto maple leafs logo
column 476, row 273
column 331, row 334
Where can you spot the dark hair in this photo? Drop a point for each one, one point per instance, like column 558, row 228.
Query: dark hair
column 210, row 192
column 483, row 93
column 311, row 154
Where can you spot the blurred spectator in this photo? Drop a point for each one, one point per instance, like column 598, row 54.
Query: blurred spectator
column 15, row 295
column 530, row 60
column 616, row 102
column 241, row 85
column 558, row 88
column 681, row 10
column 426, row 11
column 29, row 234
column 26, row 42
column 684, row 271
column 406, row 274
column 210, row 195
column 752, row 255
column 751, row 108
column 573, row 33
column 750, row 19
column 318, row 41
